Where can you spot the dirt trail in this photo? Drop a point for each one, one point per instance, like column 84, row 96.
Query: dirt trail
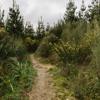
column 43, row 89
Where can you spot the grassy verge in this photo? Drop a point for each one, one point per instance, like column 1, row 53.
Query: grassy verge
column 60, row 83
column 83, row 86
column 18, row 82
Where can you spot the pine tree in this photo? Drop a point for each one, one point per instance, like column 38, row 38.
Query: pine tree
column 40, row 29
column 14, row 23
column 70, row 12
column 48, row 27
column 57, row 29
column 1, row 18
column 29, row 30
column 82, row 10
column 94, row 11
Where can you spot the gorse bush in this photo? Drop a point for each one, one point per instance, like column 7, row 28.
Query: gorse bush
column 71, row 53
column 79, row 56
column 82, row 81
column 67, row 54
column 65, row 51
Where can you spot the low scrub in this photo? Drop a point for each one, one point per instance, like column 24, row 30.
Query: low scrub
column 85, row 85
column 31, row 44
column 44, row 49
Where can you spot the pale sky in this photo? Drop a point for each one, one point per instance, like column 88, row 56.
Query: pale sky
column 51, row 10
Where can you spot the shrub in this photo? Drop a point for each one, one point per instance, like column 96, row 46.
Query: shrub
column 3, row 33
column 31, row 44
column 81, row 83
column 65, row 51
column 87, row 85
column 7, row 48
column 16, row 72
column 74, row 32
column 70, row 52
column 44, row 49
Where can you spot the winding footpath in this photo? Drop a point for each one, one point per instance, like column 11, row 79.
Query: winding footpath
column 43, row 88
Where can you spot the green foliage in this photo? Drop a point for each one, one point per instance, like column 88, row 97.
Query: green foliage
column 40, row 32
column 14, row 23
column 7, row 49
column 29, row 31
column 53, row 36
column 82, row 84
column 69, row 53
column 87, row 85
column 3, row 33
column 19, row 78
column 57, row 29
column 16, row 71
column 11, row 48
column 74, row 32
column 97, row 56
column 44, row 49
column 81, row 14
column 93, row 11
column 31, row 44
column 61, row 85
column 70, row 12
column 75, row 41
column 66, row 52
column 1, row 18
column 48, row 27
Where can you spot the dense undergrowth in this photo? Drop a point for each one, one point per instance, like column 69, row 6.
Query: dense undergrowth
column 81, row 84
column 16, row 70
column 77, row 74
column 73, row 45
column 17, row 74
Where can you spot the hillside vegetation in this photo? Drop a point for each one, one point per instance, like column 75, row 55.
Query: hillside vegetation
column 72, row 45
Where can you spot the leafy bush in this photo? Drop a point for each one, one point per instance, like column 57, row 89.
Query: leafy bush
column 3, row 33
column 16, row 71
column 70, row 53
column 31, row 44
column 65, row 51
column 57, row 29
column 74, row 32
column 88, row 87
column 81, row 84
column 44, row 49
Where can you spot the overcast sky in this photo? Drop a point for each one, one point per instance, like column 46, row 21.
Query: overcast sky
column 51, row 10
